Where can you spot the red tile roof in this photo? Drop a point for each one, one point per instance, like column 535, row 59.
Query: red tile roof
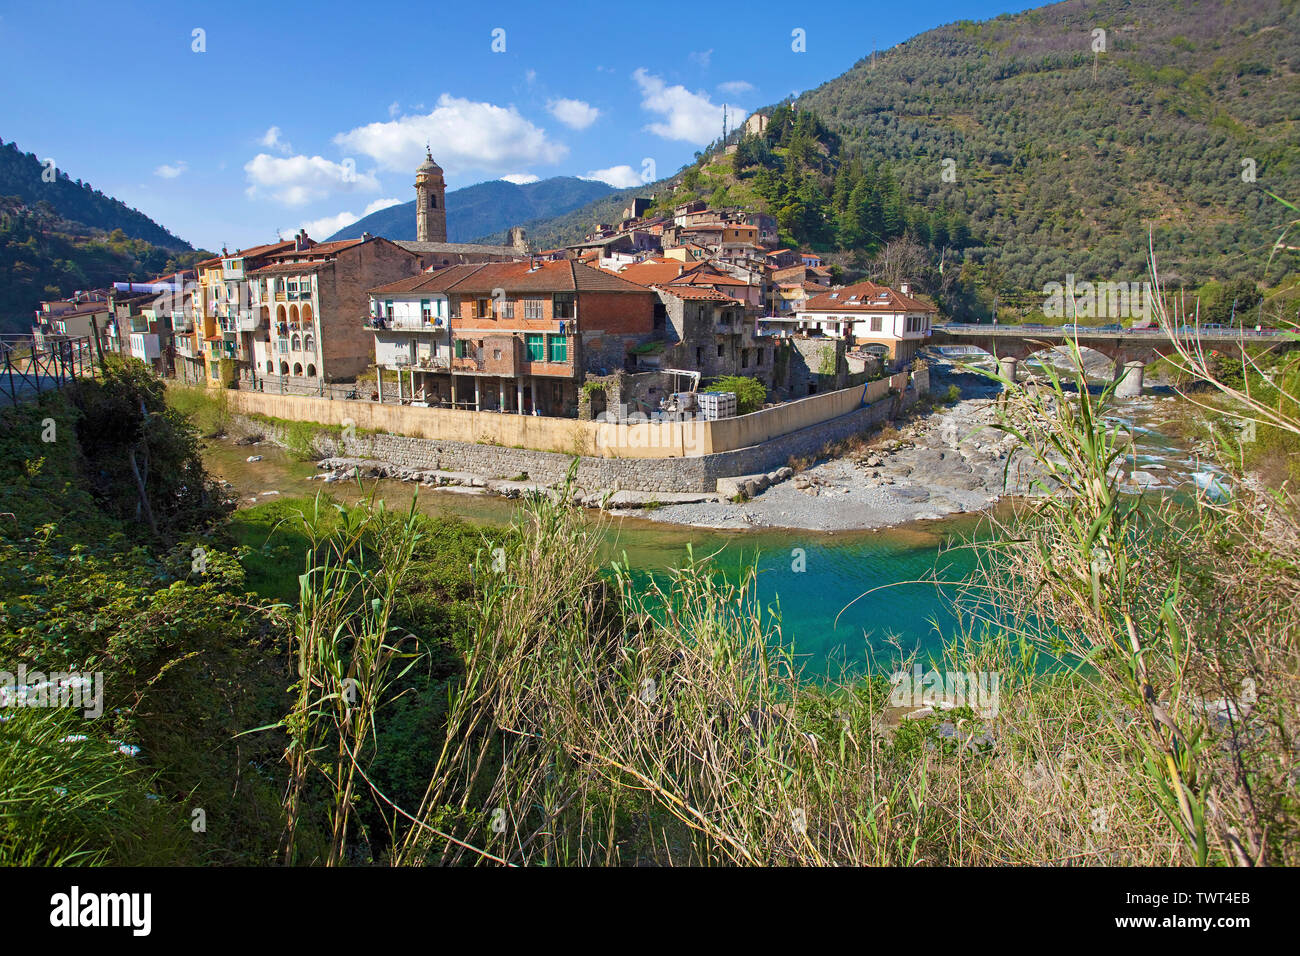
column 865, row 297
column 698, row 293
column 543, row 276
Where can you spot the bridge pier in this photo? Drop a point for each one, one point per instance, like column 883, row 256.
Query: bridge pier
column 1129, row 375
column 1008, row 365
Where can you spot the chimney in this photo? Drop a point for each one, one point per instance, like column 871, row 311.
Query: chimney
column 904, row 288
column 366, row 237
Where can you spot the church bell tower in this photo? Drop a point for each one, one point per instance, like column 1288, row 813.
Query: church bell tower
column 430, row 202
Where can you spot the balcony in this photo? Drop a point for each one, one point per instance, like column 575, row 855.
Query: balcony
column 467, row 363
column 181, row 322
column 250, row 320
column 185, row 346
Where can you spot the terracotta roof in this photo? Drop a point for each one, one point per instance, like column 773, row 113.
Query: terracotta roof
column 543, row 276
column 255, row 251
column 321, row 249
column 648, row 272
column 865, row 297
column 698, row 292
column 291, row 268
column 709, row 278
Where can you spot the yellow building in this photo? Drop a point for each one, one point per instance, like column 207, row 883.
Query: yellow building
column 224, row 318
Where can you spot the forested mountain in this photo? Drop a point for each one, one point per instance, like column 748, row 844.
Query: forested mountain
column 1012, row 148
column 23, row 177
column 43, row 256
column 1064, row 158
column 484, row 208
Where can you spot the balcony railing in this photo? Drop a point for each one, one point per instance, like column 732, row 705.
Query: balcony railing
column 377, row 324
column 250, row 320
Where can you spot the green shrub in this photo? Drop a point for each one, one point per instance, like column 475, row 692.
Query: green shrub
column 750, row 392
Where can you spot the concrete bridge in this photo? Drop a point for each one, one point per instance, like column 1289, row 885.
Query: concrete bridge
column 1129, row 349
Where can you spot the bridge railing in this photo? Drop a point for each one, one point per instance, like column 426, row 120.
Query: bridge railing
column 1023, row 331
column 28, row 368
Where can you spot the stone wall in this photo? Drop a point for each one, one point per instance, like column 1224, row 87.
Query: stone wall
column 699, row 474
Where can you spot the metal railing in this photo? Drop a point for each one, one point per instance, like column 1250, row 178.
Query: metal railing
column 28, row 369
column 1031, row 331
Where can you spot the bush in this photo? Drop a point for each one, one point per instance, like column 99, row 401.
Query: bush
column 750, row 392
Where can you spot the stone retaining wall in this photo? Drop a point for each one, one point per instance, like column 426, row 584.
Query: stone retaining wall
column 698, row 474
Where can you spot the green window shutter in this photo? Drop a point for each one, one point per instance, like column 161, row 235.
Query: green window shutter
column 559, row 348
column 536, row 350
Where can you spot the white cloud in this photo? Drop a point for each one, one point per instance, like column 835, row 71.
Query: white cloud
column 530, row 77
column 379, row 204
column 328, row 225
column 620, row 177
column 521, row 179
column 465, row 135
column 301, row 179
column 272, row 139
column 573, row 113
column 171, row 171
column 701, row 58
column 736, row 87
column 690, row 117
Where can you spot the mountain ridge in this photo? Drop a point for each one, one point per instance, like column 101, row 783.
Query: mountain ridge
column 484, row 208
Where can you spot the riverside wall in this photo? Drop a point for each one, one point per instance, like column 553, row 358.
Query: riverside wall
column 769, row 440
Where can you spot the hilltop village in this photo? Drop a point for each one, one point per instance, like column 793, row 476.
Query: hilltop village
column 698, row 320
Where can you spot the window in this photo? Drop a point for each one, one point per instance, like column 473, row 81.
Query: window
column 719, row 350
column 744, row 358
column 433, row 200
column 388, row 309
column 533, row 309
column 559, row 346
column 535, row 349
column 462, row 348
column 699, row 356
column 426, row 310
column 876, row 323
column 565, row 305
column 505, row 308
column 484, row 309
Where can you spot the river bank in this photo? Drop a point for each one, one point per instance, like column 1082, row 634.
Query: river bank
column 936, row 461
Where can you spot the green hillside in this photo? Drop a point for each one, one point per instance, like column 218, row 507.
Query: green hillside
column 1062, row 160
column 23, row 176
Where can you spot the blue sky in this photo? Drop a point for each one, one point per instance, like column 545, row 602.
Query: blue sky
column 315, row 114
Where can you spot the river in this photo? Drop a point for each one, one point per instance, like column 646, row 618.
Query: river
column 848, row 598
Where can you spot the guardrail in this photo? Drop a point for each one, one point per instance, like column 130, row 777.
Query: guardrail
column 28, row 369
column 1082, row 331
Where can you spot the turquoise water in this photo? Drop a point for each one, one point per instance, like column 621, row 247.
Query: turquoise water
column 850, row 603
column 847, row 599
column 860, row 596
